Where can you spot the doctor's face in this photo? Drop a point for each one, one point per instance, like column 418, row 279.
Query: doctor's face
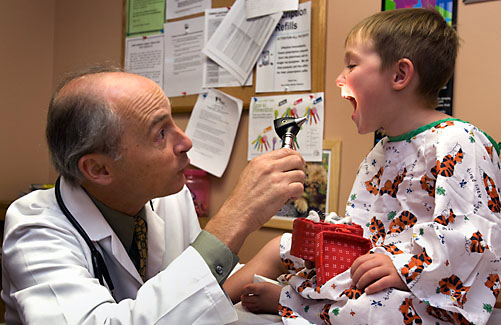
column 153, row 149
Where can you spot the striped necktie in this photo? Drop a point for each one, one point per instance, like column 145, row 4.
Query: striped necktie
column 140, row 234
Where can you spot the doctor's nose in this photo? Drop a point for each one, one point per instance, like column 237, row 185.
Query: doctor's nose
column 184, row 143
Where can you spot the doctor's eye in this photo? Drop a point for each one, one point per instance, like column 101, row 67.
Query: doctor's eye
column 161, row 134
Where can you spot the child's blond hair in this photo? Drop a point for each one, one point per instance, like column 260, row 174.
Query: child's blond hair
column 420, row 35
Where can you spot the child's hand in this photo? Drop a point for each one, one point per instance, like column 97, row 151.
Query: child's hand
column 376, row 272
column 261, row 297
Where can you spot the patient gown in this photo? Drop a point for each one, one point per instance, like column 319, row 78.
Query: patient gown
column 428, row 199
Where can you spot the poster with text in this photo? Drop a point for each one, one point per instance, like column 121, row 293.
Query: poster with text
column 285, row 63
column 183, row 59
column 180, row 8
column 144, row 55
column 214, row 75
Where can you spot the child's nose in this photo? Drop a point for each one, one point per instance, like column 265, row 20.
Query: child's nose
column 340, row 81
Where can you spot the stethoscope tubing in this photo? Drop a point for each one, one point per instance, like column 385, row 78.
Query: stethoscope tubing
column 98, row 264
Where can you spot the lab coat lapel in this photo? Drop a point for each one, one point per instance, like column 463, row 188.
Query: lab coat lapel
column 156, row 242
column 96, row 226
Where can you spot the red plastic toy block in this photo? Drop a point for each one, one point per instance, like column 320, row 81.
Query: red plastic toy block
column 333, row 247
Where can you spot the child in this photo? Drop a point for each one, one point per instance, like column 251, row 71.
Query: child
column 426, row 195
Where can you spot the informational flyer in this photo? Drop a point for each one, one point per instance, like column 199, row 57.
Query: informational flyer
column 216, row 76
column 181, row 8
column 285, row 63
column 144, row 16
column 183, row 59
column 144, row 56
column 258, row 8
column 212, row 128
column 238, row 41
column 264, row 110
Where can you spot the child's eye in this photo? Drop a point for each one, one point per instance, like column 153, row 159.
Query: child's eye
column 350, row 66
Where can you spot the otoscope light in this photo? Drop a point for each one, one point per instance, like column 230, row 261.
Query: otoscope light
column 287, row 128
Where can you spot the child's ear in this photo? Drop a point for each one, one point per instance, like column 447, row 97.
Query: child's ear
column 402, row 74
column 95, row 169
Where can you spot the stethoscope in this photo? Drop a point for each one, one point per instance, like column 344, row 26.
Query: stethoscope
column 98, row 264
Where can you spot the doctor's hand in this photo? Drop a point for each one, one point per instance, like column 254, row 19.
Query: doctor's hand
column 376, row 272
column 264, row 186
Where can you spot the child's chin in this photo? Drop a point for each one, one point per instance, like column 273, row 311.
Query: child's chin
column 363, row 131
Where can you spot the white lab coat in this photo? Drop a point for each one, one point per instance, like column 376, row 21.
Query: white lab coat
column 48, row 276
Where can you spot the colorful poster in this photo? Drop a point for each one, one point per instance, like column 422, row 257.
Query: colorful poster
column 264, row 110
column 446, row 7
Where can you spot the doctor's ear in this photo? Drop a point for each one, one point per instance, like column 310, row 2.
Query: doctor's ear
column 94, row 167
column 403, row 74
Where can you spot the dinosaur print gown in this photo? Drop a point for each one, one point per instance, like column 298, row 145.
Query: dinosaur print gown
column 430, row 201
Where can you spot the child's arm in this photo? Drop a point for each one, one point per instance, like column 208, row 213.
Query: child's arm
column 375, row 272
column 266, row 263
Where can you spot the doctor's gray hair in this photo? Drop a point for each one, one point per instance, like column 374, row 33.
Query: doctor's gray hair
column 81, row 122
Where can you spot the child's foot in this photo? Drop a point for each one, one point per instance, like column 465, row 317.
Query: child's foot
column 261, row 298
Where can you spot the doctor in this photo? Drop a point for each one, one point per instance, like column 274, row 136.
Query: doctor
column 121, row 158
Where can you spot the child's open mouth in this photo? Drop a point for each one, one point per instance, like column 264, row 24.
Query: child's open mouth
column 352, row 100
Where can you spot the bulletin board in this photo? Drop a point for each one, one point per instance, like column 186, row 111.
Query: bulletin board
column 318, row 40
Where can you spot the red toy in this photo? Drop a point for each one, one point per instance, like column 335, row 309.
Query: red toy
column 333, row 247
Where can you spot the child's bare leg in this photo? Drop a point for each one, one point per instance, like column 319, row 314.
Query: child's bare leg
column 266, row 263
column 261, row 297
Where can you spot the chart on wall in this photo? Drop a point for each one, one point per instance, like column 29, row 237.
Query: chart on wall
column 448, row 9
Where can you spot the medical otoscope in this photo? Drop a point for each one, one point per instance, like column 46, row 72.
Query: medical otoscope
column 287, row 129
